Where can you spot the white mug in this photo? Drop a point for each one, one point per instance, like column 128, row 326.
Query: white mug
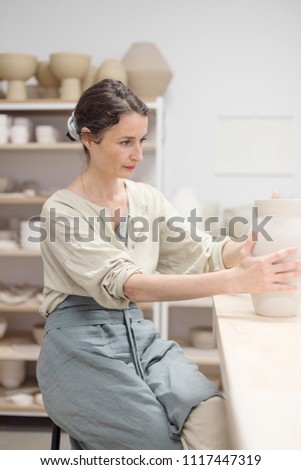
column 46, row 134
column 27, row 231
column 19, row 134
column 4, row 134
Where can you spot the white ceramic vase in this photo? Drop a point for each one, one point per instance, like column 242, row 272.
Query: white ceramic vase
column 282, row 230
column 147, row 70
column 112, row 68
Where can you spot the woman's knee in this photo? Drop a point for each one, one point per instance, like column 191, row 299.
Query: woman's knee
column 207, row 426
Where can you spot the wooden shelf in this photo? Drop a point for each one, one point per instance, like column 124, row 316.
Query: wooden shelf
column 205, row 302
column 145, row 305
column 20, row 252
column 30, row 306
column 57, row 146
column 37, row 105
column 21, row 199
column 35, row 146
column 202, row 357
column 7, row 408
column 55, row 104
column 19, row 347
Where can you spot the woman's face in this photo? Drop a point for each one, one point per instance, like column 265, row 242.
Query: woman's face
column 120, row 148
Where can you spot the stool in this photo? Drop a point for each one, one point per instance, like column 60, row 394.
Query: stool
column 55, row 437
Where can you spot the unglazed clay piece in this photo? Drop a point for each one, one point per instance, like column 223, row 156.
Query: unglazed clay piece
column 281, row 231
column 148, row 72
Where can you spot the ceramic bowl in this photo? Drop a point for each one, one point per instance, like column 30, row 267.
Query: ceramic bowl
column 13, row 373
column 21, row 399
column 47, row 79
column 16, row 69
column 7, row 235
column 70, row 68
column 17, row 66
column 38, row 332
column 38, row 399
column 90, row 77
column 112, row 68
column 46, row 134
column 6, row 184
column 8, row 245
column 202, row 337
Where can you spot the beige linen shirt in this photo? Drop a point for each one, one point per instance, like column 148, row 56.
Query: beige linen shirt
column 82, row 255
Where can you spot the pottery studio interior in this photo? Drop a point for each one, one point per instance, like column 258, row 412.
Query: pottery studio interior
column 201, row 193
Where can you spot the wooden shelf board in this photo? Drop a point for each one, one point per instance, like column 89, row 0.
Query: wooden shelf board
column 29, row 306
column 9, row 409
column 202, row 302
column 58, row 146
column 202, row 357
column 43, row 104
column 37, row 105
column 36, row 146
column 19, row 347
column 20, row 253
column 20, row 199
column 145, row 305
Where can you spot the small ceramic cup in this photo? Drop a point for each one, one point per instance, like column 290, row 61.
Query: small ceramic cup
column 202, row 337
column 19, row 134
column 13, row 373
column 46, row 134
column 21, row 399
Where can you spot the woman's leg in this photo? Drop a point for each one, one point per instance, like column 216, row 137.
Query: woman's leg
column 176, row 381
column 206, row 426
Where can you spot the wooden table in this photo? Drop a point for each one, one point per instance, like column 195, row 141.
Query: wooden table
column 261, row 372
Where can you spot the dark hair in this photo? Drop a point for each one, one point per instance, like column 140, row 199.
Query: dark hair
column 101, row 106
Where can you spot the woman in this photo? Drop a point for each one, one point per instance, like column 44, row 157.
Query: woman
column 106, row 376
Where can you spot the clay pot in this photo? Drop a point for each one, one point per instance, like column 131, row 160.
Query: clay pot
column 38, row 332
column 282, row 230
column 17, row 69
column 47, row 79
column 13, row 373
column 2, row 94
column 90, row 78
column 114, row 69
column 148, row 72
column 70, row 68
column 3, row 325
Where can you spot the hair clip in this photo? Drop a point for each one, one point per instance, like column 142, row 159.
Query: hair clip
column 72, row 127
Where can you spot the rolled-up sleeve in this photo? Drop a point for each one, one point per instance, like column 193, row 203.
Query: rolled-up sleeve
column 82, row 262
column 183, row 250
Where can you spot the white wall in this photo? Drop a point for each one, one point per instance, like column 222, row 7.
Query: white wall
column 229, row 58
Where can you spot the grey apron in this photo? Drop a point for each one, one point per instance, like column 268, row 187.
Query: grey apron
column 111, row 382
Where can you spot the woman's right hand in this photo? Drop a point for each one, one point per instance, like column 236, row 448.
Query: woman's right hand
column 272, row 272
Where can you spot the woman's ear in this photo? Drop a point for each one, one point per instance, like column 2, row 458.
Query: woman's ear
column 86, row 137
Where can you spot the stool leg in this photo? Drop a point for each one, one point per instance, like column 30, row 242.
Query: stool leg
column 55, row 437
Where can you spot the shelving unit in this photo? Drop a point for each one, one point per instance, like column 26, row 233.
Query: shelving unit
column 58, row 162
column 207, row 360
